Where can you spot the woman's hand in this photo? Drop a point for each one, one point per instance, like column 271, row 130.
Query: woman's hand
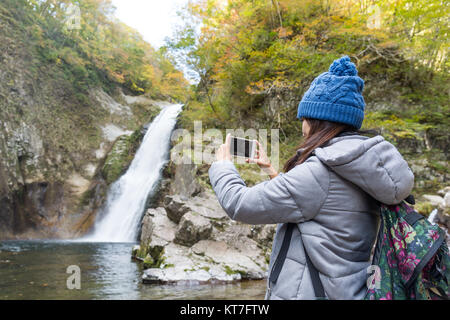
column 223, row 153
column 263, row 161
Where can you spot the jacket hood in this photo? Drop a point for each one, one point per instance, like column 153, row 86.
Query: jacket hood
column 373, row 164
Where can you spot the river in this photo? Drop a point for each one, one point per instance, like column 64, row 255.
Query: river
column 37, row 270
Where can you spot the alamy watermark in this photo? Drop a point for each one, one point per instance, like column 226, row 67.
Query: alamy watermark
column 374, row 20
column 200, row 147
column 374, row 278
column 74, row 280
column 73, row 17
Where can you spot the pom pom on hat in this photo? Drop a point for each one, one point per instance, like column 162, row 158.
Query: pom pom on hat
column 343, row 67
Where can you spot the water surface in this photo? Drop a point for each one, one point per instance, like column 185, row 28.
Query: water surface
column 37, row 270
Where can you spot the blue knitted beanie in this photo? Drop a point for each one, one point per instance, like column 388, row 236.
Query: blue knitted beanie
column 335, row 95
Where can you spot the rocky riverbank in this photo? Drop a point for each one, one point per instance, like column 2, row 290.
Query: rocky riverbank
column 187, row 237
column 193, row 240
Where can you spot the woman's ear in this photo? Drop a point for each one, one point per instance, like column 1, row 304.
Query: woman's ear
column 305, row 127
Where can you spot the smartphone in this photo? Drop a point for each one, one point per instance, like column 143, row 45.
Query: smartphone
column 243, row 147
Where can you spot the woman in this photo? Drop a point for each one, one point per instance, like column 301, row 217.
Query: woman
column 330, row 189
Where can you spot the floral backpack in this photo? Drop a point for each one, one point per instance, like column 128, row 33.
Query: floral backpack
column 411, row 258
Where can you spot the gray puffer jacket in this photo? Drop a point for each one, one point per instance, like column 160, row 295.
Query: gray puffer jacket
column 331, row 198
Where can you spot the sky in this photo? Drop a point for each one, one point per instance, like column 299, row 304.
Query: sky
column 153, row 19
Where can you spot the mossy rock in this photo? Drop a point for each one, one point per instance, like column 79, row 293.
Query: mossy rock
column 229, row 271
column 121, row 155
column 155, row 258
column 135, row 252
column 149, row 262
column 156, row 252
column 141, row 252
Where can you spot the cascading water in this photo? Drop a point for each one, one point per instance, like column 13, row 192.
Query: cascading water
column 127, row 196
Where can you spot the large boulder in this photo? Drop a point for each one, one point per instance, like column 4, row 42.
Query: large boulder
column 192, row 228
column 433, row 199
column 232, row 259
column 176, row 207
column 157, row 231
column 181, row 265
column 206, row 205
column 206, row 261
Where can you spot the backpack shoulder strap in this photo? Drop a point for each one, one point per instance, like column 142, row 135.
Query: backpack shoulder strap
column 317, row 284
column 278, row 264
column 319, row 291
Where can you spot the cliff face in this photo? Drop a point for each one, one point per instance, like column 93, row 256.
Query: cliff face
column 56, row 160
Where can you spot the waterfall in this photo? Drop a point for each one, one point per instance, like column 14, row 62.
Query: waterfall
column 126, row 199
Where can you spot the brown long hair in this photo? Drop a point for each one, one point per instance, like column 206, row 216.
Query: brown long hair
column 320, row 132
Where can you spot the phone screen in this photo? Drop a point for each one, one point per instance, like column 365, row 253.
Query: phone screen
column 242, row 147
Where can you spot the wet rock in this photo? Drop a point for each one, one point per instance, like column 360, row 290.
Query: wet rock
column 192, row 228
column 39, row 204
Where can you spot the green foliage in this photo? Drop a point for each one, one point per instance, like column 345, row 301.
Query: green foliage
column 421, row 27
column 250, row 51
column 102, row 52
column 393, row 127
